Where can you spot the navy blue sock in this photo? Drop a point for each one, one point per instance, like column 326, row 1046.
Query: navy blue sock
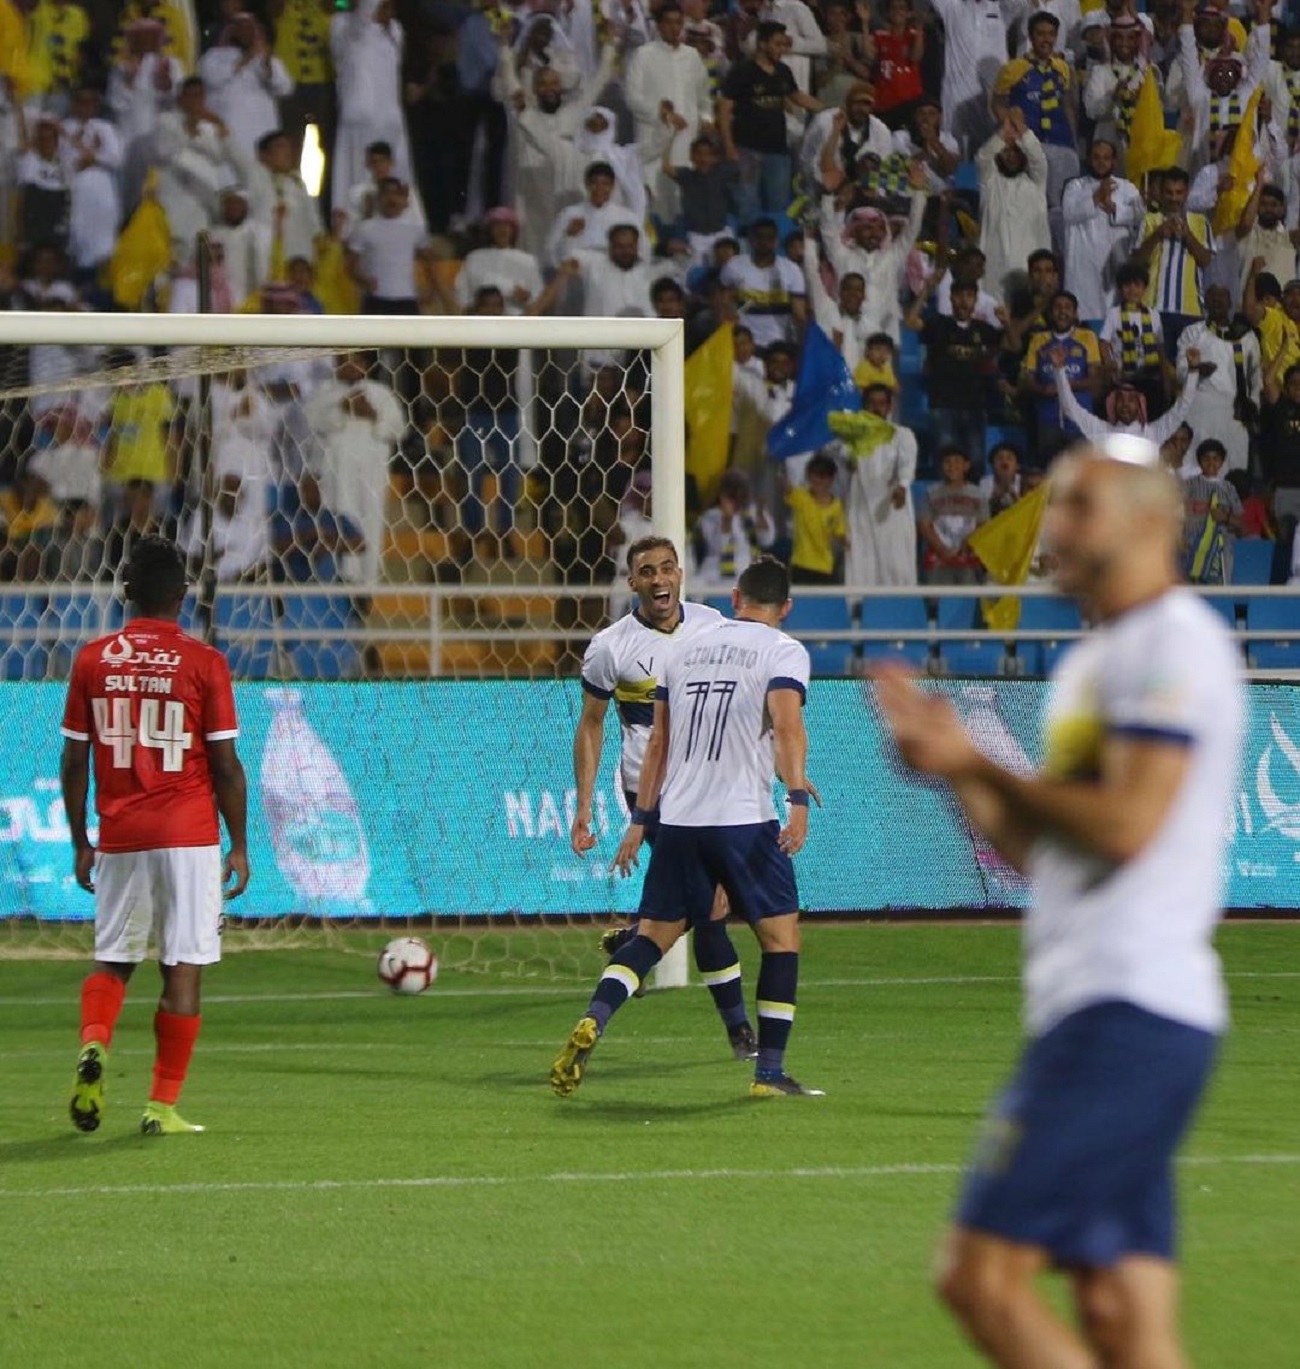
column 778, row 978
column 719, row 967
column 622, row 977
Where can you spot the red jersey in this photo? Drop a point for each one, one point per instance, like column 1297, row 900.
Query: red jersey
column 149, row 699
column 898, row 77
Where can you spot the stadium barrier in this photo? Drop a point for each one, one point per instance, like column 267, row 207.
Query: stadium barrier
column 453, row 800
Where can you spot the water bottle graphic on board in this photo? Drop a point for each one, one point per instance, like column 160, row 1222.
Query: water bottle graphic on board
column 988, row 728
column 316, row 832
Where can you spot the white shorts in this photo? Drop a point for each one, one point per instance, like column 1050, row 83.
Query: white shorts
column 174, row 892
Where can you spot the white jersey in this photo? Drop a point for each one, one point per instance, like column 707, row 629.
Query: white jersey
column 1142, row 931
column 622, row 663
column 720, row 745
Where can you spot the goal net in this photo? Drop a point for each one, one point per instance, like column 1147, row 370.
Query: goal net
column 402, row 532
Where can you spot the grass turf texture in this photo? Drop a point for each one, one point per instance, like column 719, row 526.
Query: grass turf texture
column 388, row 1181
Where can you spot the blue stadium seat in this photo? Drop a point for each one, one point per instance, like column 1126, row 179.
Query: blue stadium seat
column 316, row 657
column 974, row 657
column 831, row 615
column 1225, row 605
column 905, row 613
column 22, row 658
column 956, row 614
column 1283, row 616
column 70, row 620
column 245, row 626
column 1252, row 561
column 1039, row 614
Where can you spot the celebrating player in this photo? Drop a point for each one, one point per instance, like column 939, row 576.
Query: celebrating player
column 727, row 710
column 1123, row 834
column 620, row 665
column 156, row 709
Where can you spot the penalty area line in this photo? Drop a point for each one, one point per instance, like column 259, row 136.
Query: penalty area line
column 461, row 1181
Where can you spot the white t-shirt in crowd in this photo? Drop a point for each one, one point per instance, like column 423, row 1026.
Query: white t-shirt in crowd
column 387, row 249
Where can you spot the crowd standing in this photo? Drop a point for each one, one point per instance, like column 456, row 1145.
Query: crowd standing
column 960, row 195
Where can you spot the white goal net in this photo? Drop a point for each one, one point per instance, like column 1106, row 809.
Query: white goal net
column 402, row 532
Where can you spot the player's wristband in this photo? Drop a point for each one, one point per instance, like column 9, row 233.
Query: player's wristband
column 641, row 816
column 797, row 797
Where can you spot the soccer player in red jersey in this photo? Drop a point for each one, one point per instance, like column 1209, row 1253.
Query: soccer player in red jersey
column 155, row 709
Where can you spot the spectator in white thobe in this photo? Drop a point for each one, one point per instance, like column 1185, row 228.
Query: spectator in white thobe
column 548, row 168
column 882, row 521
column 245, row 81
column 500, row 266
column 1216, row 411
column 587, row 223
column 852, row 131
column 274, row 184
column 92, row 153
column 1013, row 201
column 142, row 86
column 1100, row 212
column 357, row 423
column 865, row 244
column 975, row 50
column 615, row 283
column 667, row 88
column 367, row 47
column 194, row 165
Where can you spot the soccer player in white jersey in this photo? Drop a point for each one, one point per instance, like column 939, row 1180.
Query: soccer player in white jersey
column 727, row 715
column 621, row 664
column 1123, row 833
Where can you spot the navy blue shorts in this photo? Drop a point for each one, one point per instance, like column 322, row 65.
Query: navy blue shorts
column 652, row 824
column 1077, row 1154
column 689, row 863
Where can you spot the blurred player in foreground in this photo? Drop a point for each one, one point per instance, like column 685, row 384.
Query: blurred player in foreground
column 620, row 664
column 728, row 711
column 155, row 708
column 1123, row 834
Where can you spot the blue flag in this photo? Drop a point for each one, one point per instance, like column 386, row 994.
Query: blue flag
column 825, row 386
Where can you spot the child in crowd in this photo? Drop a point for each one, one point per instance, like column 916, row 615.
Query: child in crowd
column 950, row 513
column 706, row 190
column 877, row 364
column 1133, row 340
column 818, row 524
column 1213, row 518
column 730, row 535
column 1001, row 486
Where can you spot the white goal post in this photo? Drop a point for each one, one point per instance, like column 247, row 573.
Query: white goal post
column 662, row 339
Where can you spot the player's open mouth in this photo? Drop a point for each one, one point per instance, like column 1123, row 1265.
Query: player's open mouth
column 663, row 597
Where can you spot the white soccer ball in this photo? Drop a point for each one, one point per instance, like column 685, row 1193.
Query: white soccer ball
column 408, row 965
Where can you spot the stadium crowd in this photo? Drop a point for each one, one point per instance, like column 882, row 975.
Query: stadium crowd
column 1014, row 222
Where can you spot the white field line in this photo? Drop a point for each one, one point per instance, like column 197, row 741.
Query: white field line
column 566, row 990
column 457, row 1181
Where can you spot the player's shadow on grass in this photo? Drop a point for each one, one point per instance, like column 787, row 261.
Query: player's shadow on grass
column 46, row 1149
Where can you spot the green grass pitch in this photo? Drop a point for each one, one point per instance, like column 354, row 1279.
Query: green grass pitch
column 389, row 1181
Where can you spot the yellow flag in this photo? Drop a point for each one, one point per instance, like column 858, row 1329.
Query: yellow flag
column 1243, row 167
column 862, row 433
column 335, row 289
column 1006, row 546
column 1151, row 146
column 708, row 410
column 143, row 251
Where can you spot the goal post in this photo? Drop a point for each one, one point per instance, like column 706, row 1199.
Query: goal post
column 171, row 350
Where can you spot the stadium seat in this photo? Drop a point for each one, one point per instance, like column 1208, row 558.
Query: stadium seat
column 1283, row 616
column 316, row 657
column 904, row 613
column 973, row 657
column 966, row 177
column 1252, row 561
column 68, row 621
column 830, row 615
column 957, row 613
column 1045, row 614
column 1225, row 605
column 22, row 656
column 245, row 631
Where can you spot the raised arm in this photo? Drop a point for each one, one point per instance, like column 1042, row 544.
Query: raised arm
column 1088, row 424
column 1168, row 423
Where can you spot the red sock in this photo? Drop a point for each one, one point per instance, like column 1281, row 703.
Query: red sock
column 101, row 1002
column 175, row 1036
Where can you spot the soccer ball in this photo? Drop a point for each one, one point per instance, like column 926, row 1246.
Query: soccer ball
column 408, row 965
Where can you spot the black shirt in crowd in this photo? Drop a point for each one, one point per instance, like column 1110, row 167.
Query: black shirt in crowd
column 960, row 360
column 758, row 120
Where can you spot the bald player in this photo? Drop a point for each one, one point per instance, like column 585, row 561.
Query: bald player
column 1123, row 834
